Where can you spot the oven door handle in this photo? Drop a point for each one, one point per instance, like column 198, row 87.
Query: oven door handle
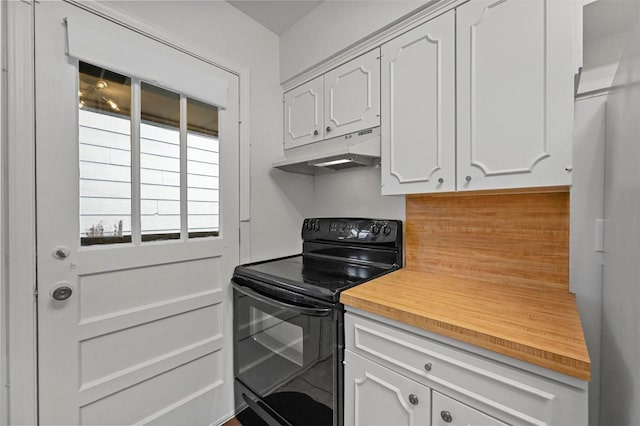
column 265, row 412
column 278, row 303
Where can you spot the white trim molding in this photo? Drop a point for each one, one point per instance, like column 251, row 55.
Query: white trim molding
column 4, row 379
column 21, row 215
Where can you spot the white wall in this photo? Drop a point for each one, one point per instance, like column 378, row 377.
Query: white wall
column 279, row 201
column 606, row 24
column 355, row 193
column 620, row 389
column 333, row 26
column 587, row 206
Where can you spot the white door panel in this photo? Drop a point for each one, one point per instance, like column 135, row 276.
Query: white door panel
column 514, row 100
column 352, row 95
column 145, row 336
column 377, row 396
column 303, row 114
column 418, row 122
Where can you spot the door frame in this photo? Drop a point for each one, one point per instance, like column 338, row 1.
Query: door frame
column 18, row 311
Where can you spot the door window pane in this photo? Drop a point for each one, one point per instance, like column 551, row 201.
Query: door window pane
column 159, row 163
column 105, row 156
column 203, row 159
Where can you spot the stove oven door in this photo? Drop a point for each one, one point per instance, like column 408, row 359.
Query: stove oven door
column 285, row 356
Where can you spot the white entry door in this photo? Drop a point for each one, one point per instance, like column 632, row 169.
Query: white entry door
column 137, row 225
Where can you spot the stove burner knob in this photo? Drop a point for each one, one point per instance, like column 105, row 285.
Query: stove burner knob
column 375, row 229
column 316, row 226
column 386, row 230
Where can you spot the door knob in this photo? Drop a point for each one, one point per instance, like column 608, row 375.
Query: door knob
column 61, row 291
column 61, row 252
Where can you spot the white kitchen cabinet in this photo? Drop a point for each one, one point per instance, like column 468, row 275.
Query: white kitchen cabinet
column 418, row 120
column 304, row 114
column 514, row 93
column 352, row 96
column 377, row 396
column 506, row 119
column 449, row 412
column 474, row 385
column 343, row 100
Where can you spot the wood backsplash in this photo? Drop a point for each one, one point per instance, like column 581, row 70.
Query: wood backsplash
column 503, row 238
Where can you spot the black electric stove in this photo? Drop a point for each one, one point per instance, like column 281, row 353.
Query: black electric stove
column 288, row 322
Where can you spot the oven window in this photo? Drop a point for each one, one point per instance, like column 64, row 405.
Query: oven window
column 277, row 336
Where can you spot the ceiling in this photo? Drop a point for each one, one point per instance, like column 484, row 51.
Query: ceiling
column 604, row 18
column 278, row 16
column 601, row 18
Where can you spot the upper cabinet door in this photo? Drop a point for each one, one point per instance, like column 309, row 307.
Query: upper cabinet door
column 514, row 94
column 418, row 109
column 352, row 96
column 303, row 114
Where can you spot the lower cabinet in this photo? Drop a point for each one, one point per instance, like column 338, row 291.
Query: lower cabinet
column 377, row 396
column 396, row 374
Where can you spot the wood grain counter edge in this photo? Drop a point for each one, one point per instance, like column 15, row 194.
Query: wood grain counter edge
column 578, row 366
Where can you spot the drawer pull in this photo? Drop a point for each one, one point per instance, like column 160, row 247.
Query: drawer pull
column 428, row 366
column 413, row 399
column 446, row 416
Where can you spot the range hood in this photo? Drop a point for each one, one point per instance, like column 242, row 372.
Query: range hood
column 358, row 149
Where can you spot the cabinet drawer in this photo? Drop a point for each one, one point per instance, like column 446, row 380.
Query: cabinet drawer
column 501, row 390
column 449, row 412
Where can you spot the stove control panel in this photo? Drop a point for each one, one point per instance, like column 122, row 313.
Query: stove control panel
column 366, row 231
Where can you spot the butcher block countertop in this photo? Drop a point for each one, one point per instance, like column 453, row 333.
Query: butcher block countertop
column 537, row 325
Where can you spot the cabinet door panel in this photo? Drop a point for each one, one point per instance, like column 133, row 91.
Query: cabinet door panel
column 352, row 95
column 504, row 77
column 418, row 120
column 303, row 114
column 449, row 412
column 375, row 396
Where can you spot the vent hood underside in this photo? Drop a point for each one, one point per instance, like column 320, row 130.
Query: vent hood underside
column 356, row 149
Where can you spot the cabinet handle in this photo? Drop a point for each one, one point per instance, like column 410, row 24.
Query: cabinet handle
column 468, row 178
column 315, row 132
column 413, row 399
column 446, row 416
column 441, row 180
column 328, row 129
column 428, row 366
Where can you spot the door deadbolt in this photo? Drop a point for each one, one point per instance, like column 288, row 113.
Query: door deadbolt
column 61, row 291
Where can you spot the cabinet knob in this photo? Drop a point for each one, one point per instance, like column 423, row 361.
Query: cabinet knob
column 328, row 129
column 441, row 180
column 413, row 399
column 428, row 366
column 315, row 132
column 468, row 178
column 446, row 416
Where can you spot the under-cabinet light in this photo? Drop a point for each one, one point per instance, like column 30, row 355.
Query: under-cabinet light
column 334, row 162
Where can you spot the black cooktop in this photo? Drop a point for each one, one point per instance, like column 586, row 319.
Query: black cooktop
column 322, row 278
column 337, row 253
